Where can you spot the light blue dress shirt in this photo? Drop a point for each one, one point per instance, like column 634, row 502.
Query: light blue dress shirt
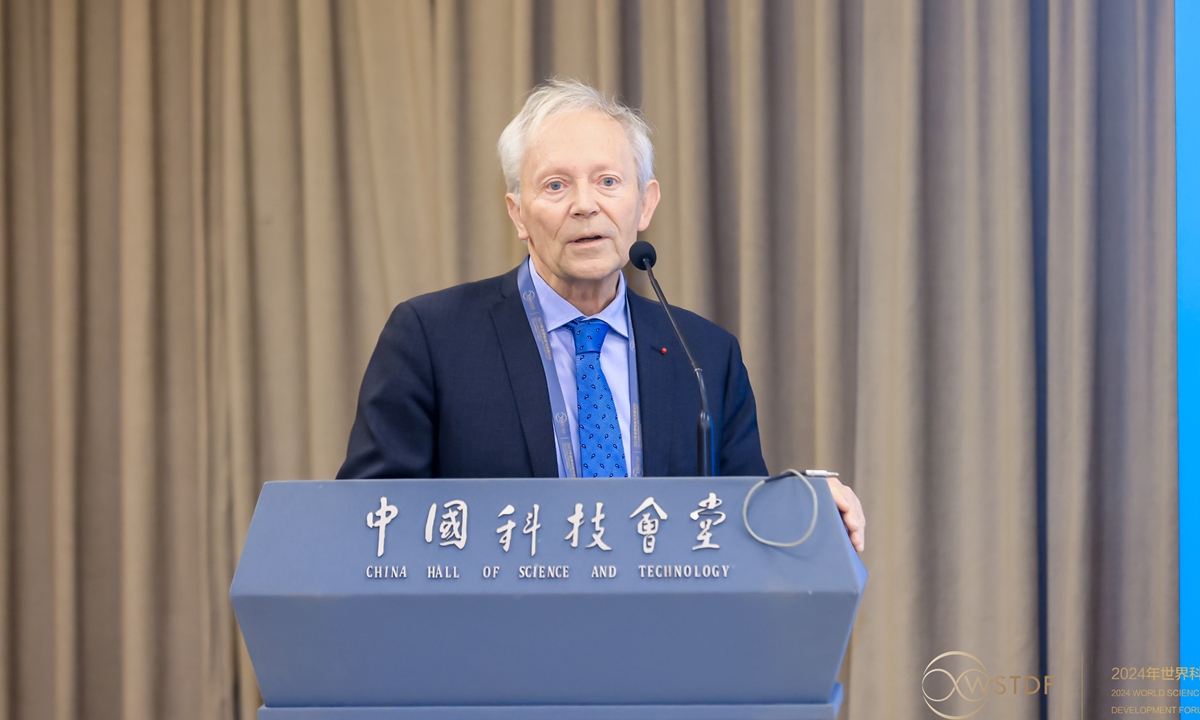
column 614, row 357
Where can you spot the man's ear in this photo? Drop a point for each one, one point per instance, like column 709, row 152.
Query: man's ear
column 514, row 213
column 650, row 200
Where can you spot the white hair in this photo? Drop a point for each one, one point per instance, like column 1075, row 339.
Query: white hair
column 562, row 95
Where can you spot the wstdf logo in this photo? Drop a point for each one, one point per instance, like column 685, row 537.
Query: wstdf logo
column 955, row 685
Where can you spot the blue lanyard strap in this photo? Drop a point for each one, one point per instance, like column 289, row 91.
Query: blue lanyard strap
column 558, row 405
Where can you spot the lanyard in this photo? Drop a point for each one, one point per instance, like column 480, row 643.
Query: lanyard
column 558, row 405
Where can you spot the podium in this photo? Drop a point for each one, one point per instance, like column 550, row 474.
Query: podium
column 490, row 599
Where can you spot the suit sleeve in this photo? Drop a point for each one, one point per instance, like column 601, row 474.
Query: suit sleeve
column 394, row 428
column 740, row 447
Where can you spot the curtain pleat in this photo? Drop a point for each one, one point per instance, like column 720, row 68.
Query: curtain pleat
column 65, row 287
column 325, row 277
column 7, row 459
column 675, row 101
column 1111, row 400
column 888, row 440
column 208, row 210
column 99, row 500
column 140, row 373
column 31, row 436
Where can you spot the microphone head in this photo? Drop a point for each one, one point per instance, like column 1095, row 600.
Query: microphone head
column 642, row 255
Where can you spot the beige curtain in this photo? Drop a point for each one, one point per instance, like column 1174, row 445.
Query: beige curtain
column 943, row 230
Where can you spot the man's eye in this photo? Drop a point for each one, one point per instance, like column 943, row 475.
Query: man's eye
column 555, row 185
column 609, row 182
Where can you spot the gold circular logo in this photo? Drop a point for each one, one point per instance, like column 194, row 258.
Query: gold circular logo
column 955, row 685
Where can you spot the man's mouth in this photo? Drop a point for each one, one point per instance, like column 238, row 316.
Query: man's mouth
column 588, row 238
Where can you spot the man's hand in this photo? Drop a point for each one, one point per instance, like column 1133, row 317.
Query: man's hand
column 852, row 512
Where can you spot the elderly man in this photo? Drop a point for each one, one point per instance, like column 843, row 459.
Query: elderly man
column 555, row 369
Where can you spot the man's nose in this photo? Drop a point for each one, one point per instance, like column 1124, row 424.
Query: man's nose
column 583, row 202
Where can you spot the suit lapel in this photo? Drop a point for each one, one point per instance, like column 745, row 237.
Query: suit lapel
column 528, row 380
column 655, row 384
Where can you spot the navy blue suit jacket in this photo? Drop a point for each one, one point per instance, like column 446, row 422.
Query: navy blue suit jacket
column 455, row 388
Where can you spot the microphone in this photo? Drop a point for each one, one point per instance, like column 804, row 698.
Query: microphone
column 643, row 257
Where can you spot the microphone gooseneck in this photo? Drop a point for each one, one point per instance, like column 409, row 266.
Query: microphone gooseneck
column 643, row 257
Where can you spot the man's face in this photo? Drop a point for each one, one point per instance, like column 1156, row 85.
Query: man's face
column 580, row 209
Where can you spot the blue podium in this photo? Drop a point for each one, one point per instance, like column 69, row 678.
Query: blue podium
column 544, row 598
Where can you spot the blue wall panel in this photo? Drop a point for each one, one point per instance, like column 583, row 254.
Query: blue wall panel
column 1187, row 133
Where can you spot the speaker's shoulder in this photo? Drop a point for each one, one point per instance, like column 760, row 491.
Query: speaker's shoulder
column 692, row 324
column 464, row 300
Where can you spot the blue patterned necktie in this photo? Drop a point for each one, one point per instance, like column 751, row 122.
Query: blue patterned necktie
column 601, row 452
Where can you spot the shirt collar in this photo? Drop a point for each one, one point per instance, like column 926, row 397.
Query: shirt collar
column 558, row 312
